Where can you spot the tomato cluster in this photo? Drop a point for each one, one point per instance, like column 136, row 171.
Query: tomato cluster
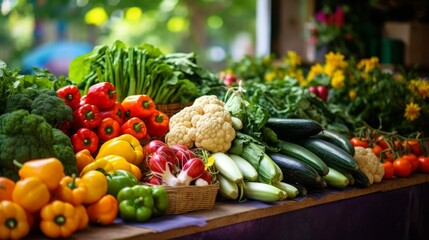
column 400, row 156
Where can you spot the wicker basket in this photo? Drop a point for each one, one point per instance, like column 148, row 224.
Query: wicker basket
column 172, row 108
column 185, row 199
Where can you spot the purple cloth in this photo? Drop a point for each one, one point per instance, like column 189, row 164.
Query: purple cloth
column 167, row 222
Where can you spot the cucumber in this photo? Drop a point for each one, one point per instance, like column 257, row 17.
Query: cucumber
column 336, row 179
column 294, row 128
column 335, row 157
column 361, row 180
column 294, row 150
column 337, row 139
column 296, row 171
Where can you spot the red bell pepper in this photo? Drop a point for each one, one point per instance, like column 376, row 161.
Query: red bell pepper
column 136, row 127
column 108, row 129
column 140, row 106
column 86, row 116
column 84, row 138
column 71, row 95
column 102, row 95
column 116, row 112
column 157, row 124
column 83, row 100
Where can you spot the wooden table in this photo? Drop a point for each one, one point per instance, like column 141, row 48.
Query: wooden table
column 225, row 214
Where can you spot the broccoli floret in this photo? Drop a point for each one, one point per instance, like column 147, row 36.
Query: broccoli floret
column 23, row 136
column 43, row 102
column 63, row 149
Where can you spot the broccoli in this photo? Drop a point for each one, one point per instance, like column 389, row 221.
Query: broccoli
column 43, row 102
column 63, row 149
column 23, row 136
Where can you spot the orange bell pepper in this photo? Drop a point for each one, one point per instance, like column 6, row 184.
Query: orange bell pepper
column 72, row 190
column 13, row 221
column 97, row 186
column 58, row 219
column 31, row 193
column 104, row 211
column 140, row 106
column 83, row 158
column 6, row 188
column 82, row 216
column 49, row 170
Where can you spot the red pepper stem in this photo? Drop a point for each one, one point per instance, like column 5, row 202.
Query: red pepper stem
column 89, row 115
column 146, row 104
column 137, row 127
column 111, row 93
column 159, row 118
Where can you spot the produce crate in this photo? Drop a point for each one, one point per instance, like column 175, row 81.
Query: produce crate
column 185, row 199
column 172, row 108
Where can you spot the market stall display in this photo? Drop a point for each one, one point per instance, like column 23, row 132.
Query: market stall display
column 105, row 152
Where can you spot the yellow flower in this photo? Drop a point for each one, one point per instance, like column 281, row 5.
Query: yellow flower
column 412, row 111
column 337, row 80
column 314, row 70
column 329, row 69
column 368, row 64
column 352, row 95
column 336, row 60
column 270, row 76
column 293, row 58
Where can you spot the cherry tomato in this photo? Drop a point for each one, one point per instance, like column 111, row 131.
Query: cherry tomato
column 382, row 142
column 376, row 149
column 423, row 164
column 357, row 142
column 388, row 170
column 413, row 160
column 413, row 146
column 402, row 167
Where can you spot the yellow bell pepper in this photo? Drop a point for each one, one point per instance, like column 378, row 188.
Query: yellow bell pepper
column 72, row 190
column 49, row 170
column 59, row 219
column 31, row 194
column 108, row 164
column 97, row 186
column 13, row 221
column 124, row 145
column 101, row 164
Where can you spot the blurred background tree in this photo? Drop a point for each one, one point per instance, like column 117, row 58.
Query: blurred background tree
column 211, row 28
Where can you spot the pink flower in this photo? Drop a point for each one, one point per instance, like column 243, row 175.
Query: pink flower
column 320, row 17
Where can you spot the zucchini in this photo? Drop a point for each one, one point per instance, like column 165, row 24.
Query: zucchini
column 302, row 190
column 333, row 156
column 296, row 171
column 293, row 128
column 337, row 139
column 263, row 192
column 336, row 179
column 299, row 152
column 361, row 180
column 291, row 191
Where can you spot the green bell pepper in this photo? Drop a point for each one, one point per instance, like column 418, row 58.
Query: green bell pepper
column 161, row 201
column 135, row 203
column 118, row 180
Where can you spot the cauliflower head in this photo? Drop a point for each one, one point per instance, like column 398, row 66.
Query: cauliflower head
column 369, row 164
column 205, row 124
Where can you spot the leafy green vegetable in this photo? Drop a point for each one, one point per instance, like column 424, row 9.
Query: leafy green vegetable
column 144, row 69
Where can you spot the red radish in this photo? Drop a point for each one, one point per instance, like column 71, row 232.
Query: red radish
column 168, row 153
column 313, row 89
column 322, row 92
column 183, row 154
column 162, row 168
column 152, row 146
column 154, row 180
column 205, row 179
column 192, row 170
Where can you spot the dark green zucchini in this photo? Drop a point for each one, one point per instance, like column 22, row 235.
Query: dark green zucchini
column 333, row 156
column 293, row 128
column 299, row 152
column 361, row 180
column 302, row 191
column 296, row 171
column 337, row 139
